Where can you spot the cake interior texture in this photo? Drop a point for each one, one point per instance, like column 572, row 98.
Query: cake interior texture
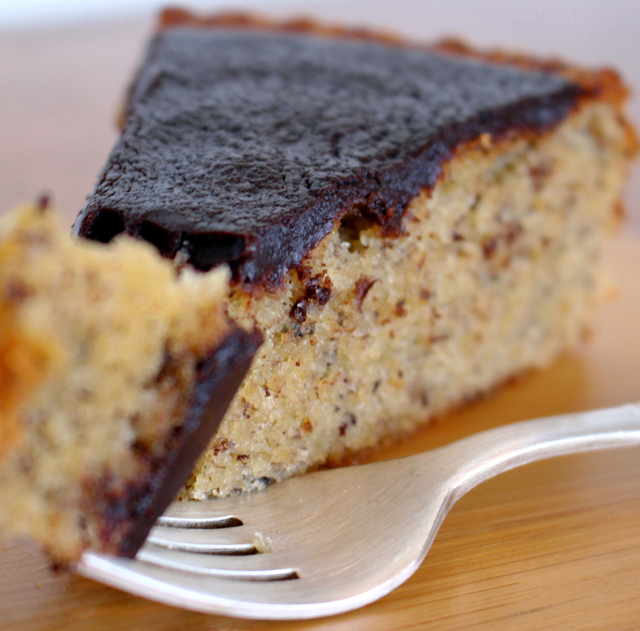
column 101, row 348
column 496, row 272
column 407, row 228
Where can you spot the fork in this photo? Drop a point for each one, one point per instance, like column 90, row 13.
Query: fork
column 333, row 541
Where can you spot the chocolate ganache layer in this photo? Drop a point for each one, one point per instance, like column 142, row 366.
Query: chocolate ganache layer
column 247, row 146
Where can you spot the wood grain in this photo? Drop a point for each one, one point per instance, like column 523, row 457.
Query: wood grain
column 554, row 545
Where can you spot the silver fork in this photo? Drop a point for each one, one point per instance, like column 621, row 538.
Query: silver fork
column 333, row 541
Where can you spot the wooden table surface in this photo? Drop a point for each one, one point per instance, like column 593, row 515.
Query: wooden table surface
column 553, row 545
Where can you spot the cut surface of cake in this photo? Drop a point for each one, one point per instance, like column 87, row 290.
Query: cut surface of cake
column 114, row 374
column 407, row 226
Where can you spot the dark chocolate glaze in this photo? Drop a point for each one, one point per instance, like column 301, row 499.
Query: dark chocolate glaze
column 248, row 147
column 134, row 512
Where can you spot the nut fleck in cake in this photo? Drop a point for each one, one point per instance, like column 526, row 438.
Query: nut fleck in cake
column 407, row 226
column 113, row 376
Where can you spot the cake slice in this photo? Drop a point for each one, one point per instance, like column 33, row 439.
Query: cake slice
column 408, row 226
column 114, row 374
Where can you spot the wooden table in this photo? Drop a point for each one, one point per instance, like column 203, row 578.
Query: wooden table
column 554, row 545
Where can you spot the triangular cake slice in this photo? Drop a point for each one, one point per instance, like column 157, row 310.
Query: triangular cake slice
column 407, row 226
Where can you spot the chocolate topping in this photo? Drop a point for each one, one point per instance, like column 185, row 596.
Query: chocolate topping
column 219, row 377
column 247, row 147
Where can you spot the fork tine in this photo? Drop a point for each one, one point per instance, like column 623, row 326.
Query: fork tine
column 191, row 510
column 179, row 521
column 211, row 594
column 251, row 568
column 250, row 510
column 215, row 541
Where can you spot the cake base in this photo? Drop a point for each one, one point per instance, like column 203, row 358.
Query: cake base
column 497, row 272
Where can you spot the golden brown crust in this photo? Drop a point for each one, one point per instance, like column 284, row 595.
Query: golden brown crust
column 603, row 84
column 174, row 17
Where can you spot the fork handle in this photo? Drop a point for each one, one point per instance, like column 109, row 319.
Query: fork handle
column 494, row 451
